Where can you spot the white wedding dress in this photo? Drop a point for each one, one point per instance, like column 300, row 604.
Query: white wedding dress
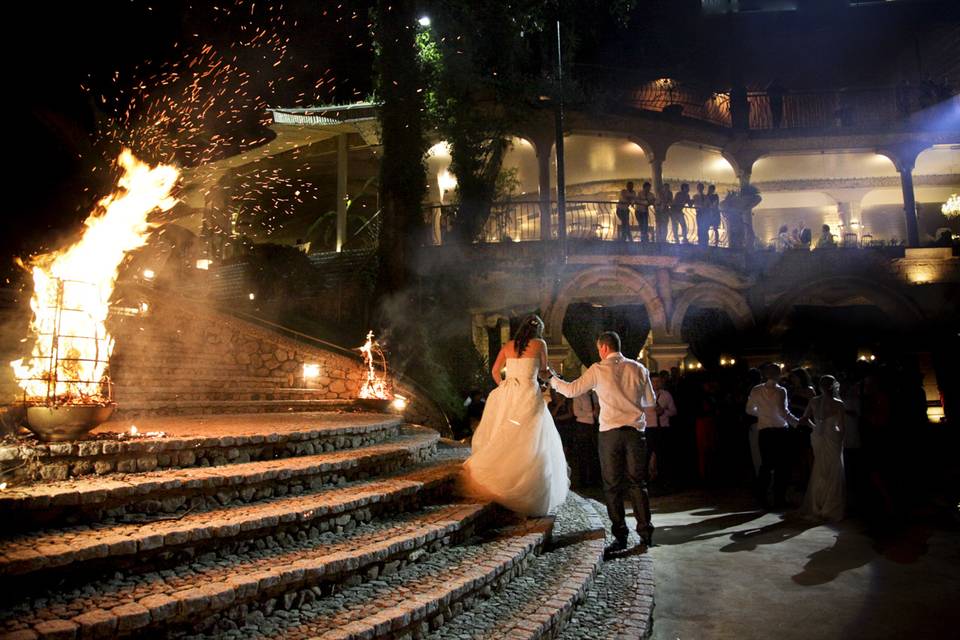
column 826, row 492
column 517, row 459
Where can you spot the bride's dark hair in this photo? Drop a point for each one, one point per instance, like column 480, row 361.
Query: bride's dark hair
column 531, row 327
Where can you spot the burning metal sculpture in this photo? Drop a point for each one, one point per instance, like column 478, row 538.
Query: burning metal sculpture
column 65, row 379
column 375, row 386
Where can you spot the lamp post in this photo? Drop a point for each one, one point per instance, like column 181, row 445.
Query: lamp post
column 561, row 179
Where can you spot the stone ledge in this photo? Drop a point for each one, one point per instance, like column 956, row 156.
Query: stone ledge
column 39, row 552
column 195, row 441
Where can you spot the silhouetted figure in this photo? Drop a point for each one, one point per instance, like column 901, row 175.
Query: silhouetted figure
column 645, row 200
column 627, row 197
column 713, row 214
column 677, row 220
column 662, row 212
column 775, row 94
column 700, row 204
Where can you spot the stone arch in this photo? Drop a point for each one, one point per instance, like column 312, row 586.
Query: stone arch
column 699, row 161
column 606, row 282
column 711, row 295
column 846, row 290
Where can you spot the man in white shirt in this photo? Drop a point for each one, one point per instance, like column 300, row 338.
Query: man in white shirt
column 625, row 394
column 657, row 432
column 768, row 402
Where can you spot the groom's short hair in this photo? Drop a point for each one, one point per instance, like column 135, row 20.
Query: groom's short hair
column 610, row 339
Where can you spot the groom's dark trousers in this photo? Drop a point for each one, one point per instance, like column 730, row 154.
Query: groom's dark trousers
column 623, row 465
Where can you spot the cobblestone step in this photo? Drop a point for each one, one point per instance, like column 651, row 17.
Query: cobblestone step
column 136, row 408
column 619, row 604
column 403, row 604
column 164, row 541
column 266, row 391
column 173, row 490
column 317, row 563
column 192, row 441
column 538, row 603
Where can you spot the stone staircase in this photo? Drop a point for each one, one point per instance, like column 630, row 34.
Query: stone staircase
column 267, row 525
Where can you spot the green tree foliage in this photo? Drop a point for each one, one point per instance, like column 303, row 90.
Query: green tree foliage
column 487, row 65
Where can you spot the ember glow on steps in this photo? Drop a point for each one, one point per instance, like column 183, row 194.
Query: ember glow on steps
column 375, row 385
column 72, row 289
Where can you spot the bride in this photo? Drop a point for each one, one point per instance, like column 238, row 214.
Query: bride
column 826, row 496
column 517, row 458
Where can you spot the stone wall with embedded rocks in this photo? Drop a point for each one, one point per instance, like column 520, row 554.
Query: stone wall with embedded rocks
column 184, row 356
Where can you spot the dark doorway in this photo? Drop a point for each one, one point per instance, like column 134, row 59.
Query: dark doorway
column 710, row 334
column 584, row 321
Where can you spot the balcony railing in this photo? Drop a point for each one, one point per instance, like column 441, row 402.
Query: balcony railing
column 585, row 220
column 766, row 110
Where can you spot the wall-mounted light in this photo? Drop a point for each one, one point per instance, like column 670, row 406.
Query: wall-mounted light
column 204, row 264
column 311, row 370
column 149, row 274
column 399, row 403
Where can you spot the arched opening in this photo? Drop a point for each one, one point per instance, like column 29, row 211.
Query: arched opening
column 597, row 166
column 584, row 321
column 813, row 189
column 711, row 334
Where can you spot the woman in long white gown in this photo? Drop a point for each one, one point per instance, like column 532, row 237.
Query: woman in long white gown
column 826, row 495
column 517, row 458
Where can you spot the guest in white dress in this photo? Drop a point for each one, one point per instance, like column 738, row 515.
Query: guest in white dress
column 826, row 492
column 517, row 459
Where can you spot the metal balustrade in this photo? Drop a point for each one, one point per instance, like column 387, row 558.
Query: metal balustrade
column 585, row 220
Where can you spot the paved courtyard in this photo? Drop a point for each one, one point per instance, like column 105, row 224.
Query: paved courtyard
column 724, row 570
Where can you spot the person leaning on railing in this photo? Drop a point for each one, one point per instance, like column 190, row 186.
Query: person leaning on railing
column 627, row 197
column 645, row 200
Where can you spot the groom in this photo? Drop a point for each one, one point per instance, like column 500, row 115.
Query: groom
column 625, row 392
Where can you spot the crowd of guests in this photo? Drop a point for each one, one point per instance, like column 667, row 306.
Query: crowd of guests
column 669, row 213
column 821, row 444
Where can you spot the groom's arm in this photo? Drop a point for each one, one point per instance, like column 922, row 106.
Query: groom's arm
column 578, row 387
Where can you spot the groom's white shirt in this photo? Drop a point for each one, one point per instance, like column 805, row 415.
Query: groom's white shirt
column 623, row 387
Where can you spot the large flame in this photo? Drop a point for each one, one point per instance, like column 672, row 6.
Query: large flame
column 72, row 288
column 375, row 385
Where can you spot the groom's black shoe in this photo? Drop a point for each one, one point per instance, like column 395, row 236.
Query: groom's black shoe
column 615, row 547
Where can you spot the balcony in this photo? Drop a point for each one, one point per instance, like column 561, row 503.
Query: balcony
column 596, row 222
column 862, row 108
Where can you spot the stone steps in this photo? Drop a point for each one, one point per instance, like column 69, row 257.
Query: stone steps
column 195, row 441
column 173, row 490
column 619, row 602
column 540, row 602
column 206, row 588
column 159, row 542
column 406, row 603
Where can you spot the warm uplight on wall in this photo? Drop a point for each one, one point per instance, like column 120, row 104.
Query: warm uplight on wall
column 311, row 370
column 446, row 181
column 935, row 414
column 951, row 208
